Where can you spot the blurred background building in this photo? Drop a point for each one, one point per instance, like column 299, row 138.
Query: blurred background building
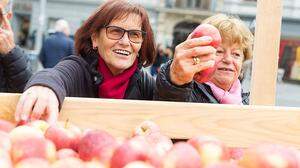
column 172, row 21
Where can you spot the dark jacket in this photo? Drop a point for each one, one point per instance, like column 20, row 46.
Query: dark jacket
column 14, row 71
column 77, row 76
column 192, row 92
column 54, row 48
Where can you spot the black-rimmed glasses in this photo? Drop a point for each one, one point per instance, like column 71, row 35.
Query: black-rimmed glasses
column 117, row 33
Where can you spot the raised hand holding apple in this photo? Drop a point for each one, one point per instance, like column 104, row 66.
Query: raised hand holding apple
column 196, row 54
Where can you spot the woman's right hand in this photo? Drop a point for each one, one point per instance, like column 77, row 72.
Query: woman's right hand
column 37, row 102
column 183, row 67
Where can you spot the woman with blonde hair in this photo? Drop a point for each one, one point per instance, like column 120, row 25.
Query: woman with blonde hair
column 176, row 82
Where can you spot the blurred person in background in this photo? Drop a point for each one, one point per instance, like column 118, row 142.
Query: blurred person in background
column 157, row 62
column 175, row 81
column 113, row 45
column 57, row 46
column 14, row 69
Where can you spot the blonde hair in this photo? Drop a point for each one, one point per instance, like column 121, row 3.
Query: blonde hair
column 233, row 31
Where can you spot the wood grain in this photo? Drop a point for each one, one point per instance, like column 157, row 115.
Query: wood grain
column 235, row 125
column 266, row 52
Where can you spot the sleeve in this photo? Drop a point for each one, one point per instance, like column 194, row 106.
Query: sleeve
column 16, row 69
column 70, row 77
column 165, row 90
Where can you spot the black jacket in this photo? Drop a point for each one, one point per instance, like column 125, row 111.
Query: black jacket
column 56, row 47
column 14, row 71
column 192, row 92
column 77, row 76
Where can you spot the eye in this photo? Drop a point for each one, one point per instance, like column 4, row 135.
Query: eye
column 220, row 52
column 135, row 34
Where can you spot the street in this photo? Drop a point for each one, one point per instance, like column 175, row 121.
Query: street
column 288, row 95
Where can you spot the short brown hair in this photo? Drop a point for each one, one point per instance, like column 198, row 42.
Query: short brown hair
column 233, row 31
column 110, row 10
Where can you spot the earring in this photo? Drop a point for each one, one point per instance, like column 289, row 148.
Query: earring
column 95, row 48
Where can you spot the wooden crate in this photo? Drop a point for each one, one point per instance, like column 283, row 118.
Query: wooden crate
column 235, row 125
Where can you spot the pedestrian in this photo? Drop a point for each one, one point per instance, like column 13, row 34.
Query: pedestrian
column 14, row 69
column 57, row 46
column 112, row 46
column 175, row 81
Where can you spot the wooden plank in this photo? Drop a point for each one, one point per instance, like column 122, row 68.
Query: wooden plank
column 235, row 125
column 266, row 51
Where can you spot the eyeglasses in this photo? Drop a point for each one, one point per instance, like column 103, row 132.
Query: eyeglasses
column 117, row 33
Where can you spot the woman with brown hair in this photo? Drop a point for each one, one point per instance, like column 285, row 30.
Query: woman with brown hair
column 112, row 46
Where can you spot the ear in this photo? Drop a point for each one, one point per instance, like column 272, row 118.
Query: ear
column 94, row 39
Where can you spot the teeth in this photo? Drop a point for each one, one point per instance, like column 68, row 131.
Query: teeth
column 123, row 52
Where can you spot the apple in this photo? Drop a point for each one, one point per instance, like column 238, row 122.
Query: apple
column 210, row 149
column 5, row 160
column 66, row 153
column 182, row 155
column 5, row 143
column 6, row 126
column 68, row 163
column 94, row 164
column 224, row 165
column 33, row 147
column 269, row 155
column 97, row 144
column 134, row 149
column 39, row 124
column 64, row 135
column 24, row 132
column 33, row 163
column 145, row 128
column 236, row 153
column 138, row 164
column 160, row 143
column 213, row 32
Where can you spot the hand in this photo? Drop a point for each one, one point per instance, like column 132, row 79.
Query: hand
column 7, row 42
column 183, row 67
column 37, row 102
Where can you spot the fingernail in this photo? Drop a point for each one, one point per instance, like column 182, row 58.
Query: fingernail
column 211, row 63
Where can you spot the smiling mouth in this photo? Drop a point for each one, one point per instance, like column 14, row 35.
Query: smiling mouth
column 122, row 52
column 226, row 69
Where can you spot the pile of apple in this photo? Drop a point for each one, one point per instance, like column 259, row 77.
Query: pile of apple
column 39, row 145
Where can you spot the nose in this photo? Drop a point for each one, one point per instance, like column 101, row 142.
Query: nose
column 125, row 39
column 227, row 58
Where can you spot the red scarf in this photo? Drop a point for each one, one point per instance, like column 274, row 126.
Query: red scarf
column 114, row 87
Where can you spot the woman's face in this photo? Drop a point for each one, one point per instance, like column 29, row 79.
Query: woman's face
column 119, row 54
column 229, row 62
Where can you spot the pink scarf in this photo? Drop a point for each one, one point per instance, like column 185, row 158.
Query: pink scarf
column 233, row 96
column 114, row 87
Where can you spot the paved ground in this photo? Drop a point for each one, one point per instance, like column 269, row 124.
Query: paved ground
column 288, row 95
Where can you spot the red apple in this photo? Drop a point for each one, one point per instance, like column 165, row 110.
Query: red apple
column 5, row 160
column 134, row 149
column 24, row 132
column 160, row 143
column 66, row 153
column 68, row 163
column 146, row 128
column 213, row 32
column 224, row 165
column 6, row 126
column 33, row 163
column 33, row 147
column 64, row 135
column 269, row 156
column 138, row 164
column 94, row 164
column 211, row 150
column 182, row 155
column 208, row 30
column 96, row 144
column 39, row 124
column 5, row 143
